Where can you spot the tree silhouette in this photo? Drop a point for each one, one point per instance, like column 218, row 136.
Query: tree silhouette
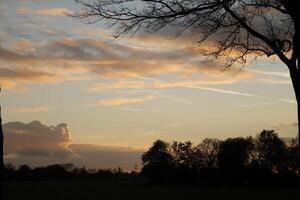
column 187, row 162
column 234, row 155
column 263, row 161
column 1, row 152
column 183, row 153
column 158, row 162
column 237, row 29
column 208, row 150
column 271, row 149
column 293, row 156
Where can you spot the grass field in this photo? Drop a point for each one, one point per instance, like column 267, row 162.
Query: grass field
column 135, row 191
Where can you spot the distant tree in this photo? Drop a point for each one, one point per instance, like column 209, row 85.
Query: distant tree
column 208, row 151
column 158, row 162
column 183, row 153
column 234, row 154
column 24, row 169
column 293, row 156
column 271, row 149
column 236, row 29
column 68, row 166
column 119, row 170
column 81, row 172
column 186, row 162
column 25, row 172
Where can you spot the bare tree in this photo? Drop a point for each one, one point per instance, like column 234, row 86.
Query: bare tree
column 208, row 150
column 238, row 29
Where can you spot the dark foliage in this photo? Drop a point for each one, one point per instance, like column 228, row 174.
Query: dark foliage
column 262, row 161
column 158, row 162
column 66, row 172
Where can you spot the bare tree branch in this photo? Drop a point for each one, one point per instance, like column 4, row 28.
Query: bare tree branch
column 233, row 24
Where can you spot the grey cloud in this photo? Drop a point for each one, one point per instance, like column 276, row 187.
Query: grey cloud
column 113, row 60
column 36, row 139
column 6, row 54
column 38, row 144
column 288, row 125
column 95, row 50
column 23, row 74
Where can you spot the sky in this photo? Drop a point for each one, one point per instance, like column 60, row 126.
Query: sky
column 72, row 93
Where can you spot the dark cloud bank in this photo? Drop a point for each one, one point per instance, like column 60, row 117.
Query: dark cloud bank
column 37, row 144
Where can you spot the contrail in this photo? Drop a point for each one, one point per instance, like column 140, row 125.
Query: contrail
column 240, row 93
column 222, row 91
column 232, row 92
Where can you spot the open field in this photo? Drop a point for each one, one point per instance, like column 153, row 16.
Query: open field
column 135, row 191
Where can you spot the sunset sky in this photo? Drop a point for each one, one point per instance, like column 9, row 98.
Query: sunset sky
column 72, row 93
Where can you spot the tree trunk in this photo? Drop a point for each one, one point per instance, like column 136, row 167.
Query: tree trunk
column 297, row 93
column 295, row 74
column 298, row 111
column 1, row 154
column 298, row 115
column 295, row 77
column 294, row 65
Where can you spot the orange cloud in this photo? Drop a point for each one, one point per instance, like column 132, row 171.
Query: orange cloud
column 24, row 11
column 119, row 85
column 123, row 101
column 31, row 109
column 48, row 11
column 160, row 84
column 14, row 78
column 69, row 59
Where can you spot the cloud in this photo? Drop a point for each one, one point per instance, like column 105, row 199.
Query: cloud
column 47, row 11
column 64, row 59
column 123, row 101
column 224, row 91
column 11, row 78
column 69, row 59
column 288, row 125
column 193, row 84
column 24, row 11
column 254, row 104
column 273, row 77
column 36, row 139
column 119, row 85
column 283, row 126
column 232, row 92
column 276, row 81
column 31, row 109
column 270, row 73
column 53, row 11
column 25, row 74
column 159, row 84
column 37, row 144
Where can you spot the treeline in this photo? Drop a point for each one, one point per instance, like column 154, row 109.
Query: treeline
column 263, row 160
column 66, row 172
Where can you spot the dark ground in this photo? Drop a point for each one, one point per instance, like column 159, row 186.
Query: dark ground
column 136, row 191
